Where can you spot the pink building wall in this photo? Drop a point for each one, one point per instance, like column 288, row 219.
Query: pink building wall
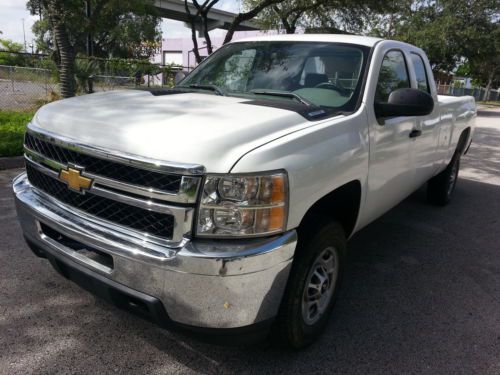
column 184, row 46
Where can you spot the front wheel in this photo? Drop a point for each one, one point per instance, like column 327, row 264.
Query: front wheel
column 440, row 188
column 313, row 284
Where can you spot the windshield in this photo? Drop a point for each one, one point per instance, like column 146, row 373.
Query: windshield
column 321, row 74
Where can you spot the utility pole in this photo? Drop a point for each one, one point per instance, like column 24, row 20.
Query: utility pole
column 24, row 36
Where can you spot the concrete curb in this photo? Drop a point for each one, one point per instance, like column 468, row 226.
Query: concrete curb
column 488, row 113
column 488, row 110
column 11, row 162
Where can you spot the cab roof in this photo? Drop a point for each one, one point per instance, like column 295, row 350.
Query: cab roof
column 331, row 38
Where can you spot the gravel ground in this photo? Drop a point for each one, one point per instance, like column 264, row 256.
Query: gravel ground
column 421, row 294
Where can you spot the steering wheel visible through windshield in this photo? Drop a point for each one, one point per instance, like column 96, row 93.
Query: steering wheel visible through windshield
column 326, row 75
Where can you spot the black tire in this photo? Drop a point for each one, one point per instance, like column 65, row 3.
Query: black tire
column 326, row 238
column 440, row 188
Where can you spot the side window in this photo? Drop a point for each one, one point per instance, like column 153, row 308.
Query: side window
column 393, row 75
column 420, row 72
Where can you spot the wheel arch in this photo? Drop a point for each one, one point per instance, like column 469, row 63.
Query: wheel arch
column 341, row 204
column 463, row 141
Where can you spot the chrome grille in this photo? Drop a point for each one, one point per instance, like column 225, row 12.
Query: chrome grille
column 105, row 168
column 152, row 197
column 154, row 223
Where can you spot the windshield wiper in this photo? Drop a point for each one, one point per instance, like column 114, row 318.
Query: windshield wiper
column 284, row 94
column 213, row 88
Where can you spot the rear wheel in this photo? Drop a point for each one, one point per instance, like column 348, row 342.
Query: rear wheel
column 440, row 188
column 313, row 284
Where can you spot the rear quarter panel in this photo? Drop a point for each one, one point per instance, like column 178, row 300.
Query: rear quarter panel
column 456, row 115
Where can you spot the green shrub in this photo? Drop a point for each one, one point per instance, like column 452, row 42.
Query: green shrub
column 12, row 128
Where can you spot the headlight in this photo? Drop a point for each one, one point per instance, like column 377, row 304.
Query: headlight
column 243, row 205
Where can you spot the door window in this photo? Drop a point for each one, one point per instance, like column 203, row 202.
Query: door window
column 393, row 75
column 420, row 73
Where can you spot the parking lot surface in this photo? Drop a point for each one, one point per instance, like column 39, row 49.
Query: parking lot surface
column 421, row 294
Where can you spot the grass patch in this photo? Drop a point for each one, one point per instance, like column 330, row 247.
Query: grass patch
column 492, row 104
column 12, row 128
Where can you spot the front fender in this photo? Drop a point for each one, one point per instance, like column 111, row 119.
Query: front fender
column 318, row 160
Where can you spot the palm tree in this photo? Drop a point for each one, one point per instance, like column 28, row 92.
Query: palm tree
column 64, row 47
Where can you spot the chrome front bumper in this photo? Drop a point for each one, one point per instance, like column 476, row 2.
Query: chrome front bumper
column 209, row 284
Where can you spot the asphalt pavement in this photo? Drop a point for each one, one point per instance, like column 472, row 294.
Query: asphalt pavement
column 421, row 295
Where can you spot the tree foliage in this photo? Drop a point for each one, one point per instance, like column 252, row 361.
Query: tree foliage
column 451, row 32
column 120, row 28
column 200, row 17
column 14, row 55
column 250, row 13
column 343, row 16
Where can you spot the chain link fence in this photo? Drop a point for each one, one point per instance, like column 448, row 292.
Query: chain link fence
column 479, row 93
column 26, row 89
column 28, row 81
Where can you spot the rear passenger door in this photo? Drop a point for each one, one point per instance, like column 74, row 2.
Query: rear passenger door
column 426, row 144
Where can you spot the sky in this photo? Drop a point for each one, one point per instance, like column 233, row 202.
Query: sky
column 11, row 24
column 12, row 13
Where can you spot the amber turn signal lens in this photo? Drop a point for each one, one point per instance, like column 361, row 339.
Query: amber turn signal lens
column 278, row 192
column 276, row 218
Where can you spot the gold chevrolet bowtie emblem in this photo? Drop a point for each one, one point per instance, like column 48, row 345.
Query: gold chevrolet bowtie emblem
column 73, row 178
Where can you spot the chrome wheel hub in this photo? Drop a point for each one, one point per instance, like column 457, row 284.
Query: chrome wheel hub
column 320, row 285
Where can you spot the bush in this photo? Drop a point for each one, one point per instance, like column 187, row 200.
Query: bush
column 15, row 58
column 12, row 128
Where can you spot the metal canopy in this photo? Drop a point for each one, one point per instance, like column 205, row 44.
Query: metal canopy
column 217, row 19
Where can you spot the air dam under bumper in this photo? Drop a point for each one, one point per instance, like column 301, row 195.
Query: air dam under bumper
column 207, row 284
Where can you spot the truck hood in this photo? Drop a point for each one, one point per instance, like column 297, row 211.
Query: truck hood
column 213, row 131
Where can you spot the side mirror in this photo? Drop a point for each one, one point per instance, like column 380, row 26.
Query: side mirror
column 405, row 102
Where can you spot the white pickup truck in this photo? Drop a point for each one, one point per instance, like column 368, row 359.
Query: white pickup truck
column 224, row 205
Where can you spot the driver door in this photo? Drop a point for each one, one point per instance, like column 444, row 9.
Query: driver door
column 391, row 176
